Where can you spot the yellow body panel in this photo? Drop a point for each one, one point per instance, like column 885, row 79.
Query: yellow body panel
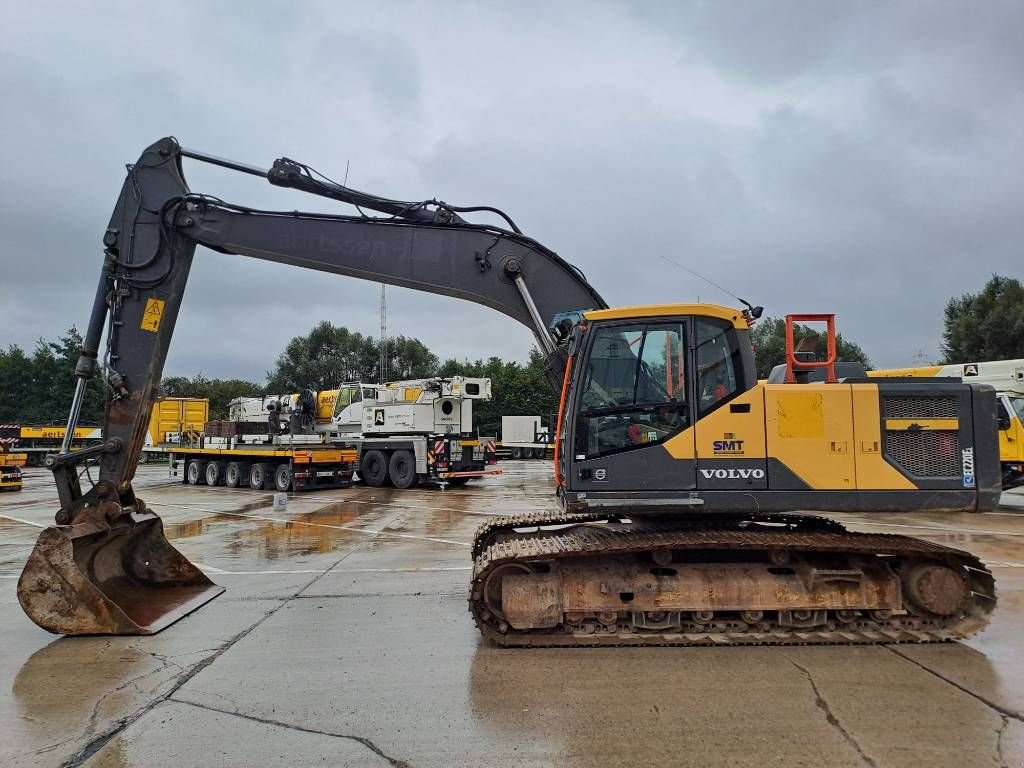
column 809, row 428
column 873, row 471
column 682, row 446
column 670, row 310
column 744, row 432
column 924, row 371
column 829, row 435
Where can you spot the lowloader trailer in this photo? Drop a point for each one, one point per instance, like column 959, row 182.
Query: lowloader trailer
column 268, row 467
column 403, row 433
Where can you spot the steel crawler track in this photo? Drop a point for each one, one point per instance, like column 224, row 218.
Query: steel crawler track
column 550, row 538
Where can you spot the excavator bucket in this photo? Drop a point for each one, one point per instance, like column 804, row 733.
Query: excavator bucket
column 122, row 579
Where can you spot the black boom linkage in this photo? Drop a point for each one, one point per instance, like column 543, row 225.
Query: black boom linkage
column 158, row 223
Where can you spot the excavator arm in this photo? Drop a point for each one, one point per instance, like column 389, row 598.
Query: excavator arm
column 148, row 250
column 158, row 223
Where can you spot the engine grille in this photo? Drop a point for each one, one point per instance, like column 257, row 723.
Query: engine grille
column 909, row 407
column 925, row 453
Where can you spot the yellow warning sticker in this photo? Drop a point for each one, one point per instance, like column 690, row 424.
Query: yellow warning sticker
column 151, row 317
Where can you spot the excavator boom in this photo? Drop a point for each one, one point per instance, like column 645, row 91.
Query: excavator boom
column 107, row 567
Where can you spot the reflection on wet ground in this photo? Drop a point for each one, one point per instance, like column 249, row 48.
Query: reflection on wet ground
column 343, row 638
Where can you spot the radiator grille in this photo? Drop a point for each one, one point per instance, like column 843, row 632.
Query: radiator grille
column 909, row 407
column 925, row 453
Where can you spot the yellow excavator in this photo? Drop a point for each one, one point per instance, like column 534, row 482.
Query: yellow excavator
column 682, row 478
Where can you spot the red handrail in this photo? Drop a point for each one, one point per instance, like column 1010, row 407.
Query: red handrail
column 561, row 413
column 829, row 363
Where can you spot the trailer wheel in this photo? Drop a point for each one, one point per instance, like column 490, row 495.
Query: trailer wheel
column 259, row 474
column 374, row 468
column 235, row 475
column 402, row 469
column 195, row 472
column 214, row 473
column 283, row 477
column 517, row 453
column 143, row 458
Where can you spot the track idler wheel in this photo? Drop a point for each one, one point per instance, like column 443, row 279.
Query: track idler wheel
column 936, row 589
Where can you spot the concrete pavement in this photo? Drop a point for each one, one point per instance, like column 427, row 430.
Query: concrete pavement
column 344, row 639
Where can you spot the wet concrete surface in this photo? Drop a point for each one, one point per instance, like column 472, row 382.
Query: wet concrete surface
column 344, row 639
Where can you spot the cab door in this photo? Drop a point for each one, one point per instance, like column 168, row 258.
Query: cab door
column 730, row 429
column 633, row 413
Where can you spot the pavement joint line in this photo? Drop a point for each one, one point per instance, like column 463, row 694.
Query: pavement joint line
column 24, row 522
column 937, row 527
column 366, row 531
column 96, row 744
column 822, row 704
column 280, row 724
column 1004, row 711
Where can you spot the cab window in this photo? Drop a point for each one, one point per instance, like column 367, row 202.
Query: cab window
column 719, row 364
column 634, row 388
column 1018, row 407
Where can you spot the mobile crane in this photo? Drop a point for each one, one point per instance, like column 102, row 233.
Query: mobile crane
column 678, row 471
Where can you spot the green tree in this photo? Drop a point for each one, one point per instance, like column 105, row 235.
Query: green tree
column 330, row 354
column 38, row 389
column 516, row 389
column 988, row 325
column 325, row 356
column 408, row 358
column 16, row 391
column 219, row 392
column 769, row 340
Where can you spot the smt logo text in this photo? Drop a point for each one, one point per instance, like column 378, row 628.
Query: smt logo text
column 724, row 447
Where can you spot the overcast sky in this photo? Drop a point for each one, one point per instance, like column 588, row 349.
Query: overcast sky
column 860, row 158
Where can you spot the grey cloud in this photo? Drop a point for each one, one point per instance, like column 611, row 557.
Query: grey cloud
column 861, row 158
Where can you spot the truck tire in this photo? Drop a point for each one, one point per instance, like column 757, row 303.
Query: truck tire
column 235, row 475
column 259, row 476
column 283, row 478
column 374, row 468
column 143, row 458
column 214, row 473
column 457, row 482
column 402, row 469
column 517, row 453
column 195, row 472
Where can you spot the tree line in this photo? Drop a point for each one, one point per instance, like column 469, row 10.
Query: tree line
column 36, row 387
